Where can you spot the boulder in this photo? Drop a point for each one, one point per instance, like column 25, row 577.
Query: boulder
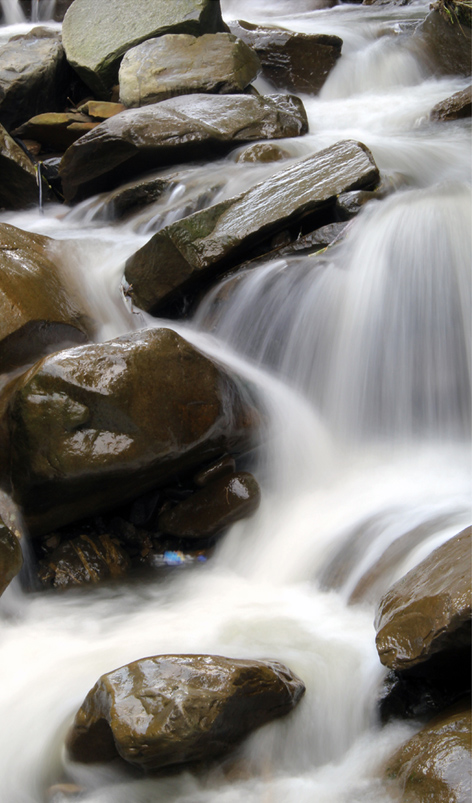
column 100, row 110
column 456, row 107
column 446, row 40
column 18, row 184
column 55, row 130
column 434, row 765
column 172, row 131
column 11, row 556
column 299, row 62
column 96, row 426
column 97, row 35
column 173, row 709
column 37, row 315
column 85, row 559
column 180, row 64
column 263, row 152
column 184, row 255
column 428, row 611
column 33, row 76
column 225, row 465
column 214, row 507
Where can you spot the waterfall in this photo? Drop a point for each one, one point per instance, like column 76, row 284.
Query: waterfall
column 12, row 12
column 41, row 10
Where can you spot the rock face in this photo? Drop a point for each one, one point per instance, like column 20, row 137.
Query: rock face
column 298, row 62
column 434, row 766
column 180, row 64
column 457, row 107
column 33, row 76
column 447, row 44
column 178, row 129
column 193, row 249
column 97, row 35
column 85, row 559
column 98, row 425
column 173, row 709
column 428, row 611
column 37, row 315
column 11, row 556
column 18, row 185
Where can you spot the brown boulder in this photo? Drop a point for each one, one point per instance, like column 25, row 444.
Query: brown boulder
column 11, row 556
column 55, row 130
column 18, row 184
column 456, row 107
column 446, row 40
column 85, row 559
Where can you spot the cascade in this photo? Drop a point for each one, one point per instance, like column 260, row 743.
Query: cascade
column 41, row 10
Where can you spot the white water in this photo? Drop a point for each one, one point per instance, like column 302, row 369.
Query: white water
column 360, row 359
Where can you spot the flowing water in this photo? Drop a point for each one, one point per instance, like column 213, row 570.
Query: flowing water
column 361, row 360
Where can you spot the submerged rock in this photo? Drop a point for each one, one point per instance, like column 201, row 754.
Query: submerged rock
column 456, row 107
column 85, row 559
column 185, row 254
column 96, row 35
column 173, row 709
column 172, row 131
column 18, row 184
column 11, row 556
column 263, row 152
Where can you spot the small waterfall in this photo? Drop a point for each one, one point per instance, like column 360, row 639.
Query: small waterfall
column 41, row 11
column 12, row 12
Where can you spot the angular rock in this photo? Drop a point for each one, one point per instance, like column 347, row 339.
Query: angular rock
column 18, row 184
column 55, row 130
column 456, row 107
column 85, row 559
column 299, row 62
column 94, row 427
column 185, row 254
column 180, row 64
column 213, row 508
column 101, row 110
column 11, row 556
column 175, row 130
column 428, row 611
column 446, row 41
column 434, row 765
column 173, row 709
column 97, row 35
column 33, row 76
column 37, row 315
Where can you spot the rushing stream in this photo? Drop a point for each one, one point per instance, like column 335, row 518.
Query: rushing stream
column 361, row 359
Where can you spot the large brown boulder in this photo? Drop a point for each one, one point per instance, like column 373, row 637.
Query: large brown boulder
column 37, row 314
column 428, row 611
column 11, row 556
column 95, row 426
column 173, row 709
column 18, row 184
column 96, row 35
column 446, row 39
column 185, row 254
column 172, row 131
column 456, row 107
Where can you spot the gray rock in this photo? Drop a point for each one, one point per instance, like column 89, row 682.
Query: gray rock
column 193, row 250
column 18, row 184
column 96, row 35
column 173, row 131
column 173, row 709
column 456, row 107
column 180, row 64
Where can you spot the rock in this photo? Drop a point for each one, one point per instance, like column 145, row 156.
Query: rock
column 213, row 508
column 18, row 184
column 193, row 250
column 434, row 765
column 225, row 465
column 33, row 76
column 173, row 709
column 11, row 556
column 428, row 611
column 174, row 130
column 446, row 42
column 456, row 107
column 180, row 64
column 56, row 130
column 85, row 559
column 37, row 315
column 298, row 62
column 97, row 35
column 96, row 426
column 263, row 152
column 101, row 110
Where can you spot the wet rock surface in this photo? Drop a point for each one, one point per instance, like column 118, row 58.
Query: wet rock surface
column 456, row 107
column 18, row 185
column 172, row 131
column 196, row 248
column 84, row 559
column 447, row 42
column 56, row 130
column 185, row 708
column 11, row 556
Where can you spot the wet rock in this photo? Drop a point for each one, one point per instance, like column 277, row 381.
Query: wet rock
column 180, row 64
column 184, row 255
column 434, row 765
column 11, row 556
column 315, row 240
column 96, row 426
column 97, row 35
column 173, row 131
column 85, row 559
column 173, row 709
column 263, row 152
column 101, row 110
column 213, row 508
column 456, row 107
column 37, row 315
column 446, row 41
column 298, row 62
column 55, row 130
column 225, row 465
column 33, row 76
column 18, row 184
column 428, row 611
column 349, row 204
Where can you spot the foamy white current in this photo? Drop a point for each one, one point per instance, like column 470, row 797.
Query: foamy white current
column 361, row 361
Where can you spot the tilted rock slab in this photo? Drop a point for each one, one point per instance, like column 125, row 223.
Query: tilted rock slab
column 456, row 107
column 180, row 64
column 172, row 131
column 98, row 425
column 96, row 35
column 172, row 709
column 18, row 184
column 429, row 609
column 197, row 247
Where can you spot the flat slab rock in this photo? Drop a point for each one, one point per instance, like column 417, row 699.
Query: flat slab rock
column 456, row 107
column 189, row 251
column 172, row 131
column 429, row 610
column 173, row 709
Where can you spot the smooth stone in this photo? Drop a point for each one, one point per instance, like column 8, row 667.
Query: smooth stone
column 174, row 709
column 456, row 107
column 18, row 184
column 101, row 109
column 11, row 556
column 55, row 130
column 225, row 465
column 263, row 152
column 85, row 559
